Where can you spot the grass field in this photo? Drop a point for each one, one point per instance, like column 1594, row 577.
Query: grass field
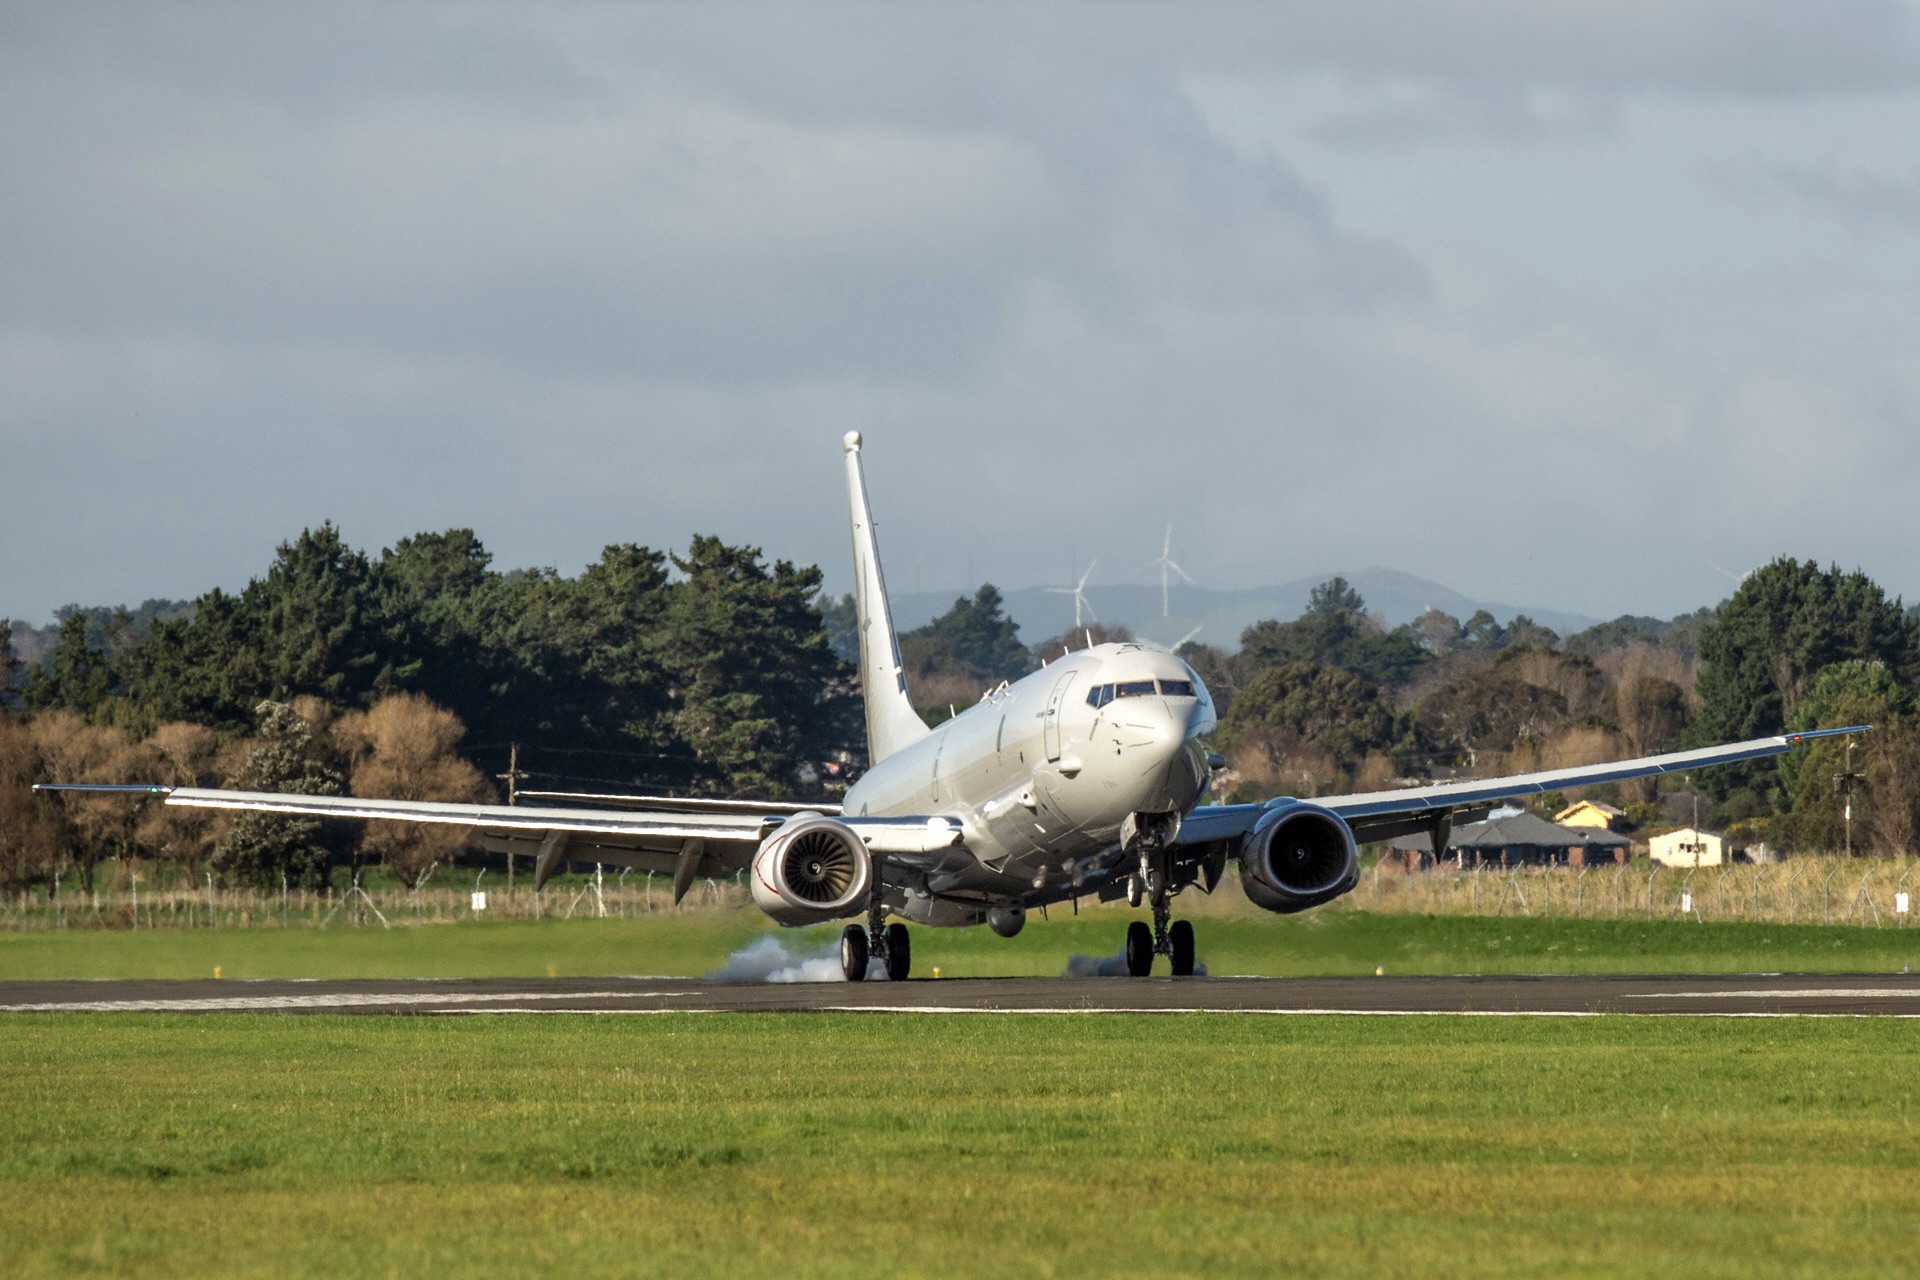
column 830, row 1145
column 1322, row 942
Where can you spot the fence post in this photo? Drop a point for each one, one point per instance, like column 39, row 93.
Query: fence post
column 1826, row 916
column 1791, row 912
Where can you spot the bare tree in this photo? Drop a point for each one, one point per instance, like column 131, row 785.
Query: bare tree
column 405, row 748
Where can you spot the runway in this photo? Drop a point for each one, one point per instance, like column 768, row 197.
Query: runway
column 1737, row 995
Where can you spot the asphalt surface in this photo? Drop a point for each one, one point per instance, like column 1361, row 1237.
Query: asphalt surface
column 1752, row 995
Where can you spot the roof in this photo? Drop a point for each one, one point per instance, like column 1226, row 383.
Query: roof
column 1520, row 829
column 1601, row 805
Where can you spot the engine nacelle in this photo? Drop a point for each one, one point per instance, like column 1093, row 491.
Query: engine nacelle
column 1298, row 856
column 813, row 869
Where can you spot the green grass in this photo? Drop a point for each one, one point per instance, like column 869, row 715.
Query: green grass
column 830, row 1145
column 1323, row 942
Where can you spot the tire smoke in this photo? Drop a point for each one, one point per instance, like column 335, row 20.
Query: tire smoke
column 768, row 959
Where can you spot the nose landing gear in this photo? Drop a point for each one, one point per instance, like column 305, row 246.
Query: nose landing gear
column 1153, row 881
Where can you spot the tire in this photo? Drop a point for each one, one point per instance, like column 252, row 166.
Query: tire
column 1139, row 949
column 1181, row 936
column 899, row 952
column 853, row 953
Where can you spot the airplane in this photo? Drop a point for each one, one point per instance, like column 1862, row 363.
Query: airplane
column 1084, row 778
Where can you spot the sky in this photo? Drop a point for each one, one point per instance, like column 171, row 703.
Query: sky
column 1590, row 306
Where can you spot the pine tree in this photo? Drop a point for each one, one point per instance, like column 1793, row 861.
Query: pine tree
column 260, row 847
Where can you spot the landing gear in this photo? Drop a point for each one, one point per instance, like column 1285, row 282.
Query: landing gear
column 1151, row 840
column 898, row 952
column 853, row 953
column 1139, row 949
column 1180, row 948
column 887, row 943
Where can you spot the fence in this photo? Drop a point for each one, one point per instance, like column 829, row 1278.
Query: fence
column 1807, row 890
column 175, row 903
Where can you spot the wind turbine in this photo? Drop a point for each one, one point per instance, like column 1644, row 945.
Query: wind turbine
column 1079, row 593
column 1168, row 566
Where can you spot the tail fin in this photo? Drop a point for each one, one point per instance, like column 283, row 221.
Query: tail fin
column 892, row 723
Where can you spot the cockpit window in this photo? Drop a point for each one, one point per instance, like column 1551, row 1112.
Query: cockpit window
column 1100, row 695
column 1177, row 688
column 1133, row 688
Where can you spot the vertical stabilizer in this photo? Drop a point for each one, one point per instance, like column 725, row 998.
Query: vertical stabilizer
column 892, row 723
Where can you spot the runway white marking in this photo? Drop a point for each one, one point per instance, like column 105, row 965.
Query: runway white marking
column 350, row 1000
column 1784, row 993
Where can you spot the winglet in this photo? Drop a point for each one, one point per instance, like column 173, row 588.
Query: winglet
column 892, row 723
column 1808, row 735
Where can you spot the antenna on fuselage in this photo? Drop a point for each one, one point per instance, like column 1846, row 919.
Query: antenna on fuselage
column 892, row 723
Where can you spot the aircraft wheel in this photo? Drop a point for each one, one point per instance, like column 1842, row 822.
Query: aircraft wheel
column 899, row 952
column 1139, row 949
column 853, row 953
column 1181, row 938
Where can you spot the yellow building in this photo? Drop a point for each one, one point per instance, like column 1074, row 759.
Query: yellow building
column 1688, row 847
column 1591, row 813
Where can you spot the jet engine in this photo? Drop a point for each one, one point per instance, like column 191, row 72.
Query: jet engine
column 811, row 870
column 1298, row 856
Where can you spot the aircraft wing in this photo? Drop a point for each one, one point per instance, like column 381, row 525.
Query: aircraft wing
column 1382, row 815
column 680, row 844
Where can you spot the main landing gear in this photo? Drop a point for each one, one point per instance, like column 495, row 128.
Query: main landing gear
column 1152, row 882
column 891, row 944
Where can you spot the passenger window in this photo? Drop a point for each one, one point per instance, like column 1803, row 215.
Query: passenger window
column 1133, row 689
column 1177, row 688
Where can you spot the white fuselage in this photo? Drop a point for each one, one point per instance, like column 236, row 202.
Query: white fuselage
column 1040, row 776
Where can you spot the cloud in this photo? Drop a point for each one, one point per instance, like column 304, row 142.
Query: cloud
column 582, row 275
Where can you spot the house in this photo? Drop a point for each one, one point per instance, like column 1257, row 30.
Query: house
column 1520, row 838
column 1591, row 813
column 1688, row 847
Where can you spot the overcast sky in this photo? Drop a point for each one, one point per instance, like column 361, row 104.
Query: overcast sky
column 1584, row 305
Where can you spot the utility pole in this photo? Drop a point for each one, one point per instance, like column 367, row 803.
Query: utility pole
column 512, row 778
column 1843, row 785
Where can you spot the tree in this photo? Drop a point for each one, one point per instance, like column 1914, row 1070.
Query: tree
column 1440, row 632
column 753, row 675
column 979, row 633
column 1520, row 700
column 76, row 676
column 406, row 748
column 1850, row 693
column 1334, row 631
column 1652, row 712
column 1787, row 621
column 73, row 749
column 31, row 835
column 260, row 847
column 9, row 664
column 1304, row 704
column 842, row 619
column 964, row 651
column 311, row 626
